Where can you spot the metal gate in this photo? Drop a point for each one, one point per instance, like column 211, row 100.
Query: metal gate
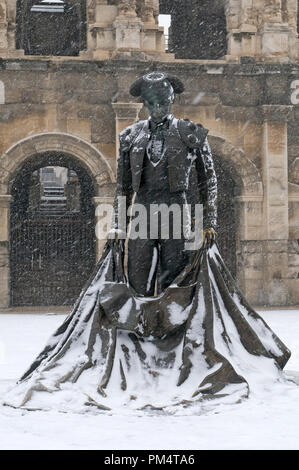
column 51, row 259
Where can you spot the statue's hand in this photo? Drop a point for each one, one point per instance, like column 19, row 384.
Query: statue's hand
column 209, row 236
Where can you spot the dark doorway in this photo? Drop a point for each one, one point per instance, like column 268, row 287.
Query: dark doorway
column 227, row 213
column 49, row 28
column 228, row 217
column 52, row 231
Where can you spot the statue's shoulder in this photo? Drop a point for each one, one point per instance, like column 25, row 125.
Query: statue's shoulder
column 129, row 134
column 192, row 134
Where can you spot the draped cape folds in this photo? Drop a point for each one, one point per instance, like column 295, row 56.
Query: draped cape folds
column 199, row 339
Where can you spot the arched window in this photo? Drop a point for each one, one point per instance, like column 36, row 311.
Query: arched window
column 51, row 27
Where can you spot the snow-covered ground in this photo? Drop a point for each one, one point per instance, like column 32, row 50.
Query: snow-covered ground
column 270, row 421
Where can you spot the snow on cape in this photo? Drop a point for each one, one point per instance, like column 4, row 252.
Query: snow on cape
column 197, row 341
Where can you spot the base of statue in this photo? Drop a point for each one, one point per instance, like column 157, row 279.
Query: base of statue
column 199, row 340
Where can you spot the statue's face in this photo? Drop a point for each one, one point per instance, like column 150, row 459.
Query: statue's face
column 158, row 102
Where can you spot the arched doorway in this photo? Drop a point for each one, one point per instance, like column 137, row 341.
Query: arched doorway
column 228, row 185
column 52, row 230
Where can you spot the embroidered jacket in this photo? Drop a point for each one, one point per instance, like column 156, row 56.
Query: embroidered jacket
column 186, row 144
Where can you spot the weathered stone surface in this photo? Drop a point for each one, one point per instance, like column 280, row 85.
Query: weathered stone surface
column 245, row 103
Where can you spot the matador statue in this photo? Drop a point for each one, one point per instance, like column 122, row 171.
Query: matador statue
column 155, row 160
column 178, row 331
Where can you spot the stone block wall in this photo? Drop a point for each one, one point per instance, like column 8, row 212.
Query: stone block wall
column 89, row 101
column 80, row 104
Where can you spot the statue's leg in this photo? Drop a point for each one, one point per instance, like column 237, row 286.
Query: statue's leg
column 173, row 259
column 142, row 265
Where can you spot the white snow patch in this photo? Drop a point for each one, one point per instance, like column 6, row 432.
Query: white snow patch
column 267, row 420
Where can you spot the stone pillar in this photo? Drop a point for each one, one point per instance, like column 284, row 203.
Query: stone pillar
column 125, row 115
column 100, row 242
column 127, row 27
column 8, row 29
column 11, row 27
column 293, row 253
column 291, row 15
column 100, row 31
column 3, row 26
column 145, row 10
column 4, row 250
column 276, row 223
column 153, row 39
column 266, row 30
column 242, row 21
column 275, row 170
column 276, row 32
column 124, row 29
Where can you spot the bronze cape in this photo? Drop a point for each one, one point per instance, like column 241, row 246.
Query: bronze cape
column 198, row 339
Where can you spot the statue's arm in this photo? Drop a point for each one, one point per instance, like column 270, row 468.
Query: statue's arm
column 123, row 195
column 204, row 162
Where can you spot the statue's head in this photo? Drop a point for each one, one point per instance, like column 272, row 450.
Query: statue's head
column 157, row 90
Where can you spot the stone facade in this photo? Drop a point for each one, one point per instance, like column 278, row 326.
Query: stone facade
column 117, row 28
column 263, row 29
column 248, row 100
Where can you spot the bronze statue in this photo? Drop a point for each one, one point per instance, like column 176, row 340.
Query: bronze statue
column 125, row 345
column 155, row 160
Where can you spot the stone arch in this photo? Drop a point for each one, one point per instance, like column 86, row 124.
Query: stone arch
column 46, row 148
column 248, row 176
column 90, row 157
column 241, row 201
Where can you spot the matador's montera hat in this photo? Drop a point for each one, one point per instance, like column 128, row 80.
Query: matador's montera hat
column 156, row 78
